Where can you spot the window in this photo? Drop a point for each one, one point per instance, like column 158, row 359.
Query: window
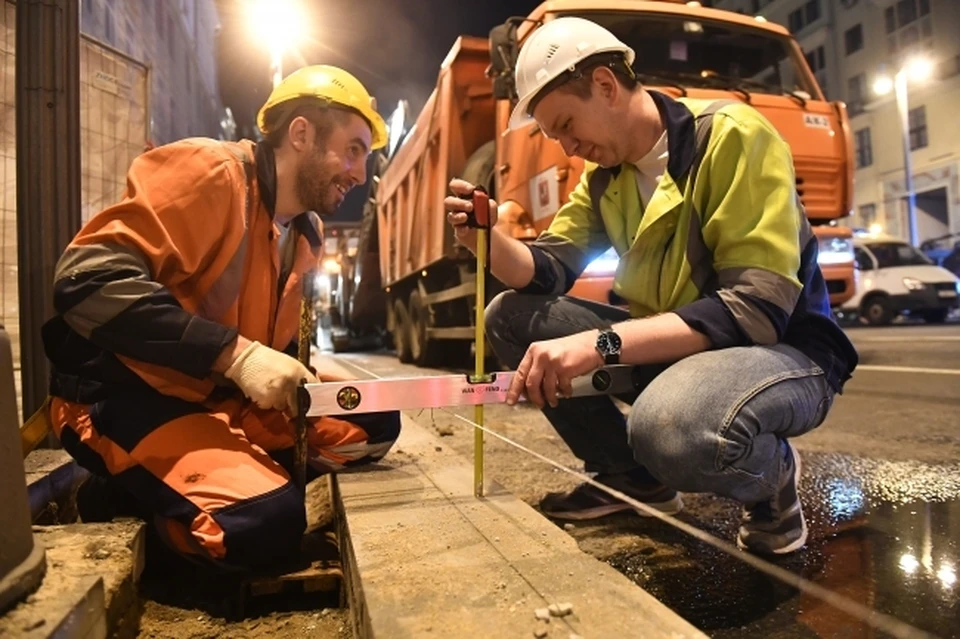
column 817, row 59
column 863, row 259
column 868, row 214
column 853, row 39
column 911, row 18
column 856, row 93
column 918, row 127
column 795, row 21
column 804, row 16
column 864, row 148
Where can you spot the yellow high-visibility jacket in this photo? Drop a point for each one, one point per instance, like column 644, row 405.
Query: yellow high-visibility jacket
column 723, row 242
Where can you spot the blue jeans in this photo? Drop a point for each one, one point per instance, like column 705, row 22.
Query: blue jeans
column 712, row 422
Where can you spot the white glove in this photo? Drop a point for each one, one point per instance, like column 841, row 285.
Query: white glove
column 269, row 377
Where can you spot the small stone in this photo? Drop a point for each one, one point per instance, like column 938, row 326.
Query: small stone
column 568, row 526
column 513, row 608
column 445, row 431
column 31, row 599
column 33, row 626
column 200, row 618
column 543, row 614
column 324, row 612
column 561, row 609
column 497, row 539
column 438, row 449
column 502, row 585
column 540, row 633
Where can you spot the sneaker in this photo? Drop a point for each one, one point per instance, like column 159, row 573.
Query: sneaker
column 776, row 526
column 586, row 501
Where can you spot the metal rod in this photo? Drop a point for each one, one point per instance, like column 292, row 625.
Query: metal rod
column 903, row 113
column 480, row 355
column 303, row 354
column 48, row 169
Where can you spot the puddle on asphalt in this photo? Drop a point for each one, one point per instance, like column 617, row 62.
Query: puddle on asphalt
column 901, row 558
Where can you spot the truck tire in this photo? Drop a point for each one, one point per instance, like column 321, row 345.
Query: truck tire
column 479, row 168
column 401, row 331
column 876, row 311
column 423, row 350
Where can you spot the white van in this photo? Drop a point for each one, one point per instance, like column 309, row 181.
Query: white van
column 894, row 278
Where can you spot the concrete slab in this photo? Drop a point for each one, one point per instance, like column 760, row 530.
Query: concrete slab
column 90, row 587
column 423, row 557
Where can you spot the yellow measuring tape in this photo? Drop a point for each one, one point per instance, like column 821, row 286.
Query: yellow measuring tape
column 481, row 219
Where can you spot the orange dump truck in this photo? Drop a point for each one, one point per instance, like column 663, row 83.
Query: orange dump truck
column 682, row 49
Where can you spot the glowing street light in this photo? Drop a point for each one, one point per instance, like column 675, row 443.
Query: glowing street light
column 918, row 69
column 280, row 25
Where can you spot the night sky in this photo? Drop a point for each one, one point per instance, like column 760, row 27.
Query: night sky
column 394, row 47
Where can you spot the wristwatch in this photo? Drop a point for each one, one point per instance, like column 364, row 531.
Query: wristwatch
column 609, row 345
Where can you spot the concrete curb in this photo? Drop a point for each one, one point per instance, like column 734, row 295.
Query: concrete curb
column 423, row 557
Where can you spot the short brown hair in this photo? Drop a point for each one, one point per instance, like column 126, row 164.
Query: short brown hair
column 579, row 82
column 320, row 114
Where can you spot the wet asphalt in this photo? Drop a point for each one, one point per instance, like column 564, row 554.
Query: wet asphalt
column 881, row 494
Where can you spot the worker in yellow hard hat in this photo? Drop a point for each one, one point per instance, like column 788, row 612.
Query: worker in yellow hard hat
column 173, row 348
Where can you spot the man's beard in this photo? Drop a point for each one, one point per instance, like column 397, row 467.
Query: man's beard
column 315, row 184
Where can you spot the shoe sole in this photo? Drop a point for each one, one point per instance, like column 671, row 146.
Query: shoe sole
column 802, row 539
column 671, row 507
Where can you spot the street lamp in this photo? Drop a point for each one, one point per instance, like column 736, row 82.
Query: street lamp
column 280, row 25
column 918, row 69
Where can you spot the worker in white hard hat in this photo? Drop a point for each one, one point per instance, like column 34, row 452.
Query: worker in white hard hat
column 729, row 320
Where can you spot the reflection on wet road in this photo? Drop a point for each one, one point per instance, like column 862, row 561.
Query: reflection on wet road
column 889, row 539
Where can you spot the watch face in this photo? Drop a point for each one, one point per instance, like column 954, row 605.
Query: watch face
column 609, row 342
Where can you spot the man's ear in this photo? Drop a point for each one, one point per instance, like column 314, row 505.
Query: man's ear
column 297, row 132
column 606, row 83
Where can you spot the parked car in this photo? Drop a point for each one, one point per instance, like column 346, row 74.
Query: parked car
column 895, row 278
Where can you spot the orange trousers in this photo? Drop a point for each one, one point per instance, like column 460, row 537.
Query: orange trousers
column 217, row 480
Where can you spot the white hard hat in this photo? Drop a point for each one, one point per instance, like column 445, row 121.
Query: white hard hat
column 553, row 49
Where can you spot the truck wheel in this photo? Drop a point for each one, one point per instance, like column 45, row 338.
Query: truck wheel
column 401, row 331
column 876, row 310
column 423, row 350
column 479, row 167
column 938, row 316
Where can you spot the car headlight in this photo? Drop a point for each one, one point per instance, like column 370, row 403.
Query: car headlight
column 913, row 284
column 835, row 250
column 606, row 264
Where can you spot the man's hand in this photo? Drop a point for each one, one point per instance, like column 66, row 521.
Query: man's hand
column 458, row 205
column 269, row 377
column 548, row 368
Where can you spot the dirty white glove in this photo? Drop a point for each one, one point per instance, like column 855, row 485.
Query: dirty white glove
column 269, row 377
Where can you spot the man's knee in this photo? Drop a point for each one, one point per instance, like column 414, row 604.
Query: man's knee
column 673, row 434
column 508, row 334
column 265, row 529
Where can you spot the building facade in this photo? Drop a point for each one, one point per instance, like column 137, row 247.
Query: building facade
column 177, row 40
column 850, row 45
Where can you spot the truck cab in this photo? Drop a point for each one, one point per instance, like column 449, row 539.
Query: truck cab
column 685, row 50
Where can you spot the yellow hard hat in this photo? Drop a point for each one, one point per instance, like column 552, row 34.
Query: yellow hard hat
column 333, row 85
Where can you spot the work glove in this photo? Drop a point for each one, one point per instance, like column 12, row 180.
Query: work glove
column 268, row 377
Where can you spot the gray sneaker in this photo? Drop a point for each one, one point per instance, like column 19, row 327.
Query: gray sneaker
column 776, row 526
column 589, row 502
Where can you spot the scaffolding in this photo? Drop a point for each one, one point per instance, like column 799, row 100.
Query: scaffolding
column 114, row 120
